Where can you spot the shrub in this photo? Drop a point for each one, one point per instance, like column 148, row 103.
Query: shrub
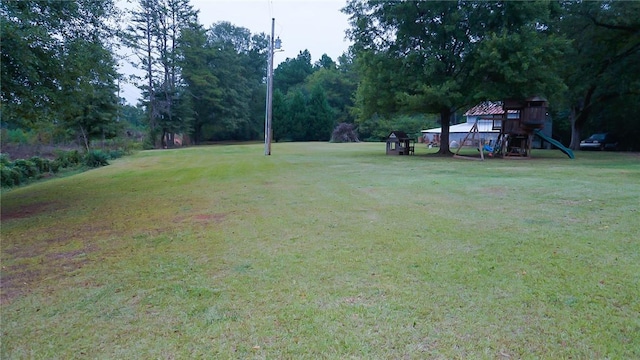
column 61, row 159
column 9, row 176
column 344, row 132
column 43, row 165
column 20, row 171
column 18, row 136
column 66, row 159
column 4, row 159
column 116, row 154
column 74, row 156
column 148, row 144
column 26, row 168
column 96, row 158
column 54, row 166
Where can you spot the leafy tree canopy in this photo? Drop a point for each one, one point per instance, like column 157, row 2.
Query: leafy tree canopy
column 434, row 57
column 57, row 65
column 293, row 72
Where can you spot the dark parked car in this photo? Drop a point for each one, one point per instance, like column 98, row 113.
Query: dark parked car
column 601, row 141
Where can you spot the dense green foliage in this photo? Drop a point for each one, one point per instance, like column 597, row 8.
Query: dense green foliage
column 409, row 60
column 223, row 68
column 153, row 33
column 602, row 69
column 445, row 56
column 58, row 69
column 293, row 72
column 310, row 99
column 440, row 57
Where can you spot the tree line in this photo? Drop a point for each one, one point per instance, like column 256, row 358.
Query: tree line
column 412, row 64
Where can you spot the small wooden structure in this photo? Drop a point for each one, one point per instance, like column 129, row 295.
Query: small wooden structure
column 399, row 143
column 516, row 134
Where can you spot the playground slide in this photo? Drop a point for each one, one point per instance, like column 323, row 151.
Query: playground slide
column 554, row 143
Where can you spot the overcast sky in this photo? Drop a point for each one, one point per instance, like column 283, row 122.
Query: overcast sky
column 316, row 25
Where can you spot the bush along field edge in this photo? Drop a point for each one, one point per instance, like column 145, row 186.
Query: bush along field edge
column 20, row 172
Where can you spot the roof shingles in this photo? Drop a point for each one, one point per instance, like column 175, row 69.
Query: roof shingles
column 486, row 108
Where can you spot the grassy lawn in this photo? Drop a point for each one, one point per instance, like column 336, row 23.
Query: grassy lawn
column 325, row 251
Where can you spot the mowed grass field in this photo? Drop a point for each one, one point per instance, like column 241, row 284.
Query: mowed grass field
column 330, row 251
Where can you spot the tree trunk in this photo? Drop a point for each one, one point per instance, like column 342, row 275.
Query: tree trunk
column 576, row 129
column 196, row 138
column 445, row 120
column 152, row 101
column 84, row 138
column 579, row 116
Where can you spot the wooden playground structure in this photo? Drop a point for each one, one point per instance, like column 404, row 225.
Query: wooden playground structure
column 516, row 133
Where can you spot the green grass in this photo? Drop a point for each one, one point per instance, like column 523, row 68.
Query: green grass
column 325, row 251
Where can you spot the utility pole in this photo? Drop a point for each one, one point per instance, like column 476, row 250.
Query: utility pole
column 269, row 113
column 274, row 44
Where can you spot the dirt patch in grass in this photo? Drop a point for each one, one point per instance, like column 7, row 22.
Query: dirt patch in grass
column 217, row 218
column 203, row 218
column 25, row 211
column 495, row 191
column 68, row 255
column 40, row 248
column 15, row 281
column 18, row 280
column 31, row 262
column 48, row 259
